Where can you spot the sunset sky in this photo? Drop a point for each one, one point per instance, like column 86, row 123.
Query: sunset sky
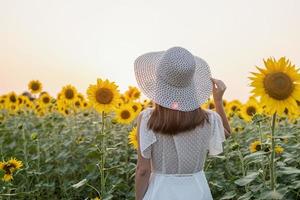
column 75, row 42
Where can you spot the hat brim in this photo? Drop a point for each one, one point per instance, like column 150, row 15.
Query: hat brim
column 178, row 98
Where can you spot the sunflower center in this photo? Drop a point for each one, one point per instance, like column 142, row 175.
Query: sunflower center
column 125, row 114
column 135, row 108
column 104, row 96
column 211, row 106
column 35, row 86
column 137, row 95
column 77, row 104
column 13, row 98
column 8, row 167
column 46, row 99
column 278, row 85
column 251, row 110
column 258, row 147
column 234, row 108
column 69, row 94
column 20, row 100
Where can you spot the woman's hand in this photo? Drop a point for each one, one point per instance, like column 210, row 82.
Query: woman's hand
column 218, row 89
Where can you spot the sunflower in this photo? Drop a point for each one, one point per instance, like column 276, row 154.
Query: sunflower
column 44, row 99
column 133, row 138
column 238, row 129
column 225, row 102
column 124, row 99
column 137, row 107
column 233, row 106
column 80, row 96
column 125, row 114
column 9, row 167
column 68, row 94
column 133, row 93
column 147, row 103
column 104, row 96
column 12, row 98
column 278, row 149
column 278, row 85
column 208, row 105
column 78, row 104
column 250, row 109
column 3, row 100
column 255, row 146
column 85, row 104
column 24, row 102
column 35, row 86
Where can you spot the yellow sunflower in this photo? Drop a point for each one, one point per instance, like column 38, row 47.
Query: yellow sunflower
column 68, row 94
column 104, row 96
column 225, row 102
column 80, row 96
column 9, row 167
column 278, row 85
column 35, row 86
column 125, row 114
column 85, row 104
column 45, row 99
column 233, row 106
column 12, row 98
column 278, row 149
column 147, row 103
column 78, row 104
column 133, row 138
column 255, row 146
column 250, row 109
column 137, row 107
column 209, row 105
column 133, row 93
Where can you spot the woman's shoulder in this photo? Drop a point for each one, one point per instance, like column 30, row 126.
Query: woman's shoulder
column 145, row 113
column 212, row 115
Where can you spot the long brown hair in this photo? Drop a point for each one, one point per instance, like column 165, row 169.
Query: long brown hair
column 171, row 122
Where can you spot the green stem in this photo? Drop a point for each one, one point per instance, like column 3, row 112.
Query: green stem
column 102, row 171
column 243, row 167
column 25, row 147
column 272, row 167
column 260, row 134
column 261, row 141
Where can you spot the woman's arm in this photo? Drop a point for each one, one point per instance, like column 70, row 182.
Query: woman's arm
column 218, row 90
column 143, row 170
column 221, row 112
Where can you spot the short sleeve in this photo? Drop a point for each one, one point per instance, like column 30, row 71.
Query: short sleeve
column 146, row 136
column 218, row 135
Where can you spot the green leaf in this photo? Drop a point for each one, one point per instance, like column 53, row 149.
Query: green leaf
column 80, row 183
column 228, row 195
column 247, row 179
column 255, row 155
column 290, row 170
column 271, row 195
column 246, row 196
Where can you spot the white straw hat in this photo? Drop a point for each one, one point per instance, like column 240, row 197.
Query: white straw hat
column 174, row 79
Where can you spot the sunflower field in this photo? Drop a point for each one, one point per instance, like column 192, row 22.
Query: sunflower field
column 83, row 146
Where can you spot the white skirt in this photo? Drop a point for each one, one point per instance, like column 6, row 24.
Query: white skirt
column 178, row 187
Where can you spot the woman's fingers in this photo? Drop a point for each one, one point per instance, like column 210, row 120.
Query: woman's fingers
column 218, row 84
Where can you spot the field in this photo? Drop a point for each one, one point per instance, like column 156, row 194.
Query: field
column 76, row 146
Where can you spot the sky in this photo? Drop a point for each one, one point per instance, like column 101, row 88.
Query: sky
column 62, row 42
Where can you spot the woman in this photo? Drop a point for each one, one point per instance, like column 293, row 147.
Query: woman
column 175, row 136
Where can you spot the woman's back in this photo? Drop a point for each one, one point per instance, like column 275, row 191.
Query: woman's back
column 185, row 152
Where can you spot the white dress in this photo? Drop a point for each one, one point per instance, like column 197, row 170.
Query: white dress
column 177, row 161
